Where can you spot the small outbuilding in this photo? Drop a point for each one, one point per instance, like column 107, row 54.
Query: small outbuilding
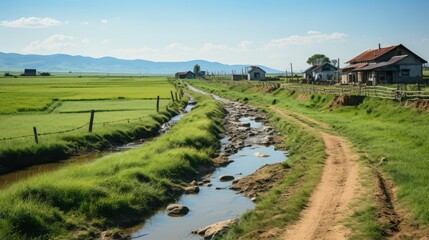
column 185, row 75
column 321, row 72
column 255, row 73
column 29, row 72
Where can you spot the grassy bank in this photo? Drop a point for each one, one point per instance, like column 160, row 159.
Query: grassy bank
column 380, row 128
column 119, row 190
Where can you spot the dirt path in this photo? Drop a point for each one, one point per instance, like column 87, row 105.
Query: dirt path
column 329, row 202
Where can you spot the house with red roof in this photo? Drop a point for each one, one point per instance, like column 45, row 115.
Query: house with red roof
column 393, row 64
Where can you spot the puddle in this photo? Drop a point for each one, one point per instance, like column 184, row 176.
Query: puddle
column 210, row 205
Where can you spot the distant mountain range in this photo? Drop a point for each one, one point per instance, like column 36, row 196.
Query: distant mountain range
column 68, row 63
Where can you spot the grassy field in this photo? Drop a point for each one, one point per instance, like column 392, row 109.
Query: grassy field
column 379, row 128
column 79, row 202
column 62, row 105
column 37, row 93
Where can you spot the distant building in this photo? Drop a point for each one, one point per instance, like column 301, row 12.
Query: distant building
column 29, row 72
column 393, row 64
column 238, row 77
column 255, row 73
column 321, row 72
column 185, row 75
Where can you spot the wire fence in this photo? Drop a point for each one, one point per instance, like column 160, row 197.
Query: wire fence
column 90, row 124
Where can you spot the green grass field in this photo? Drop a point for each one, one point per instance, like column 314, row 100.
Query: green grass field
column 78, row 202
column 379, row 128
column 61, row 104
column 36, row 93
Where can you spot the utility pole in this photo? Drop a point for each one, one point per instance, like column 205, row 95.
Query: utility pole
column 291, row 71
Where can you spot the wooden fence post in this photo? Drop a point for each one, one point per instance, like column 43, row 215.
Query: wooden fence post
column 91, row 121
column 172, row 98
column 35, row 135
column 157, row 104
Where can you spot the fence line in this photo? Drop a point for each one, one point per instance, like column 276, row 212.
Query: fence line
column 94, row 123
column 368, row 91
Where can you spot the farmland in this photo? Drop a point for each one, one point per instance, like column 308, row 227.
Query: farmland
column 59, row 108
column 115, row 190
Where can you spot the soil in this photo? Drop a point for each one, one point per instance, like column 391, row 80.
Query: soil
column 422, row 105
column 261, row 181
column 346, row 100
column 329, row 203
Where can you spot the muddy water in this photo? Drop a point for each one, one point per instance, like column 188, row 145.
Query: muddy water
column 213, row 203
column 10, row 178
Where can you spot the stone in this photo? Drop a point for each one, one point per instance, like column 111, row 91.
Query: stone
column 192, row 190
column 216, row 229
column 177, row 210
column 226, row 178
column 261, row 155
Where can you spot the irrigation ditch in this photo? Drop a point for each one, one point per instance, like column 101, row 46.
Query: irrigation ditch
column 9, row 178
column 213, row 202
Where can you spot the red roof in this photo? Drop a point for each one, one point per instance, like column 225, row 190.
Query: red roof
column 353, row 66
column 392, row 61
column 372, row 54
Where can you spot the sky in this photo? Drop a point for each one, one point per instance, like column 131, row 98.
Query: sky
column 274, row 33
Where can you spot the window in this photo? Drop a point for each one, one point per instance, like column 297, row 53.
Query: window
column 399, row 53
column 405, row 72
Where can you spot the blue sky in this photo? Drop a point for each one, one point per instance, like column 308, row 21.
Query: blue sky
column 274, row 33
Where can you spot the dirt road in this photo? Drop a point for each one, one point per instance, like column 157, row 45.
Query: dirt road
column 329, row 202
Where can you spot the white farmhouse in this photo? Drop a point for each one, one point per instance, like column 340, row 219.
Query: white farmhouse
column 255, row 73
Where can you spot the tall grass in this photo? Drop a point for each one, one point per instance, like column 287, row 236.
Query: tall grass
column 119, row 190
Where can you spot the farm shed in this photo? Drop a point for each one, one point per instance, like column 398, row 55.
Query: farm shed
column 323, row 72
column 185, row 75
column 237, row 77
column 29, row 72
column 255, row 73
column 393, row 64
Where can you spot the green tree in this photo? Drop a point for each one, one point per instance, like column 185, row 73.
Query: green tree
column 197, row 69
column 317, row 59
column 334, row 62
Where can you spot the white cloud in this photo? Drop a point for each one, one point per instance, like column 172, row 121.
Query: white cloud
column 177, row 47
column 31, row 22
column 84, row 23
column 54, row 44
column 105, row 41
column 311, row 38
column 212, row 47
column 85, row 41
column 244, row 45
column 313, row 32
column 104, row 21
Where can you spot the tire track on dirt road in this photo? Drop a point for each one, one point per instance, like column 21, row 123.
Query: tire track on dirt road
column 329, row 203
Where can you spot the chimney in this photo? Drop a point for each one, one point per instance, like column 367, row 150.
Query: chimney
column 379, row 46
